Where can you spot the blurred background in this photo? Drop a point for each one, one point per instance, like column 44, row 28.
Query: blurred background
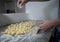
column 10, row 6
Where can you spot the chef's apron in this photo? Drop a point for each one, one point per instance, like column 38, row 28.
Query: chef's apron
column 42, row 10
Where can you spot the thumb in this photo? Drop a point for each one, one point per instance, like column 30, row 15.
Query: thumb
column 22, row 3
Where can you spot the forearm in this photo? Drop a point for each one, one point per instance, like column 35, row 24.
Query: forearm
column 57, row 22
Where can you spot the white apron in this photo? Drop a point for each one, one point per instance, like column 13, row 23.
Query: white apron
column 42, row 10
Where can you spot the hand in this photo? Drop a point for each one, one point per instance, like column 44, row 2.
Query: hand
column 46, row 25
column 22, row 2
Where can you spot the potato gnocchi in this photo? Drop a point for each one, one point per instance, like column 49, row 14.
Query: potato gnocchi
column 20, row 28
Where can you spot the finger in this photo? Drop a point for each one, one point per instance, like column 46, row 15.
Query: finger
column 40, row 21
column 22, row 3
column 43, row 27
column 19, row 1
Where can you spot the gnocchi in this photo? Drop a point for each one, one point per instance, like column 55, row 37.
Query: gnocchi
column 20, row 28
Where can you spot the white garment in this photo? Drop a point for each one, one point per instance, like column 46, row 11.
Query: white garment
column 42, row 10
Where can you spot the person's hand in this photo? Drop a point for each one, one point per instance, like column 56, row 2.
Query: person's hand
column 46, row 25
column 22, row 2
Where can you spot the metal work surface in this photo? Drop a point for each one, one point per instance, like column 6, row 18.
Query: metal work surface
column 42, row 37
